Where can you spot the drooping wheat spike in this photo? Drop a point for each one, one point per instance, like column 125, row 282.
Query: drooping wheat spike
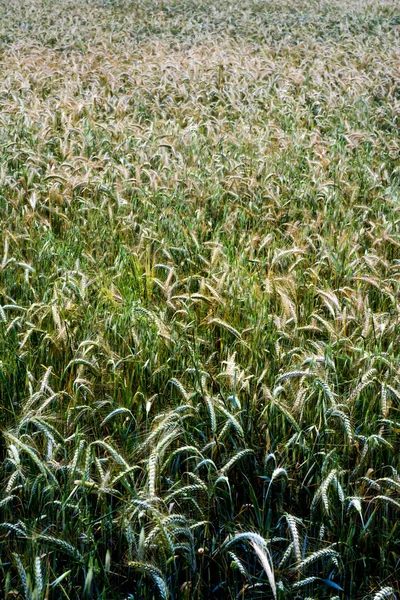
column 345, row 420
column 231, row 419
column 247, row 535
column 224, row 325
column 126, row 473
column 5, row 252
column 387, row 500
column 168, row 421
column 366, row 379
column 238, row 564
column 152, row 466
column 156, row 576
column 292, row 524
column 192, row 450
column 327, row 391
column 394, row 391
column 315, row 556
column 22, row 576
column 304, row 582
column 371, row 483
column 384, row 405
column 356, row 503
column 116, row 456
column 118, row 411
column 385, row 592
column 279, row 406
column 390, row 482
column 3, row 316
column 294, row 375
column 18, row 474
column 238, row 456
column 34, row 456
column 155, row 457
column 180, row 387
column 186, row 491
column 45, row 380
column 62, row 544
column 286, row 555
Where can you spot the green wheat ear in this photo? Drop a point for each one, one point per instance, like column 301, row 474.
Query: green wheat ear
column 155, row 574
column 23, row 576
column 385, row 592
column 38, row 576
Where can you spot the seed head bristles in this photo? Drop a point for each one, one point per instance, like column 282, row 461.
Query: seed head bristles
column 266, row 562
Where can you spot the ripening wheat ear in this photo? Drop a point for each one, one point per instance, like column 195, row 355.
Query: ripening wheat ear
column 23, row 577
column 62, row 545
column 292, row 524
column 34, row 456
column 180, row 387
column 39, row 576
column 237, row 457
column 366, row 380
column 345, row 420
column 155, row 458
column 209, row 402
column 356, row 503
column 322, row 492
column 278, row 473
column 304, row 582
column 155, row 574
column 315, row 556
column 238, row 564
column 231, row 419
column 386, row 592
column 286, row 555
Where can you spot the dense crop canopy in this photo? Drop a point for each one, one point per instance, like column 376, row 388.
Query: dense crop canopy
column 199, row 299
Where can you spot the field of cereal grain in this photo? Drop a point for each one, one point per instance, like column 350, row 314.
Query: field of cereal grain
column 199, row 299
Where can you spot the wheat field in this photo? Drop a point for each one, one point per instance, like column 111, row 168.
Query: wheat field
column 199, row 299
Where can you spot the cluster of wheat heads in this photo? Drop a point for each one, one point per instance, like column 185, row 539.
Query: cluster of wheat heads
column 199, row 275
